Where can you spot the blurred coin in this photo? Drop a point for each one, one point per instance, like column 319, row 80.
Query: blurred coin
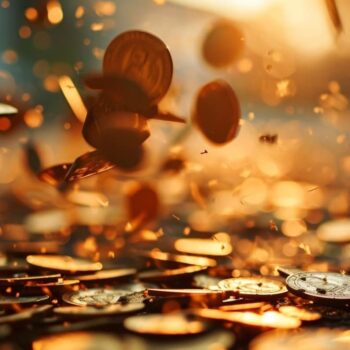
column 63, row 263
column 10, row 300
column 55, row 174
column 334, row 231
column 321, row 286
column 269, row 319
column 287, row 271
column 183, row 292
column 300, row 313
column 94, row 297
column 243, row 306
column 61, row 284
column 217, row 112
column 88, row 164
column 318, row 338
column 24, row 278
column 171, row 274
column 223, row 44
column 6, row 109
column 254, row 287
column 87, row 311
column 164, row 324
column 107, row 275
column 78, row 341
column 24, row 314
column 143, row 58
column 205, row 281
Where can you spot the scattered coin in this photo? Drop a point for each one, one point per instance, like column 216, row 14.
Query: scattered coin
column 243, row 306
column 223, row 44
column 321, row 286
column 6, row 109
column 300, row 313
column 217, row 112
column 143, row 58
column 11, row 300
column 183, row 292
column 24, row 278
column 25, row 314
column 94, row 297
column 254, row 287
column 107, row 275
column 164, row 324
column 63, row 263
column 334, row 231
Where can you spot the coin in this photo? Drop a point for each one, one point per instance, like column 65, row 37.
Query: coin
column 254, row 287
column 243, row 306
column 10, row 300
column 94, row 297
column 223, row 44
column 269, row 319
column 170, row 274
column 24, row 314
column 6, row 109
column 318, row 338
column 88, row 164
column 334, row 231
column 63, row 263
column 217, row 112
column 183, row 292
column 50, row 286
column 300, row 313
column 321, row 286
column 24, row 278
column 88, row 311
column 107, row 275
column 143, row 58
column 164, row 324
column 54, row 175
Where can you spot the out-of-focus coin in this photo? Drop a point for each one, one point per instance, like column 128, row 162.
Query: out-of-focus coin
column 269, row 319
column 24, row 278
column 107, row 275
column 6, row 109
column 78, row 341
column 217, row 112
column 88, row 164
column 10, row 300
column 334, row 231
column 318, row 338
column 87, row 311
column 25, row 314
column 164, row 324
column 171, row 274
column 223, row 44
column 243, row 306
column 55, row 174
column 63, row 263
column 142, row 204
column 143, row 58
column 183, row 292
column 300, row 313
column 321, row 286
column 254, row 287
column 94, row 297
column 286, row 271
column 205, row 281
column 182, row 259
column 50, row 286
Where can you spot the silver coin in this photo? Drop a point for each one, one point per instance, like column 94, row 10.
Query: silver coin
column 94, row 297
column 320, row 286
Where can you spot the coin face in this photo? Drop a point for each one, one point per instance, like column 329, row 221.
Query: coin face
column 143, row 58
column 94, row 297
column 107, row 275
column 217, row 112
column 88, row 311
column 164, row 324
column 63, row 263
column 322, row 286
column 256, row 287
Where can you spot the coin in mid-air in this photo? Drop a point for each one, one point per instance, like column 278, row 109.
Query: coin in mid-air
column 94, row 297
column 321, row 286
column 6, row 109
column 143, row 58
column 63, row 263
column 217, row 112
column 254, row 287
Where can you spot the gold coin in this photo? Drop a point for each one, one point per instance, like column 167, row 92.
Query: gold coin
column 143, row 58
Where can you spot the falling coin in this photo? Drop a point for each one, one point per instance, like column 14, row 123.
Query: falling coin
column 87, row 311
column 254, row 287
column 55, row 174
column 164, row 324
column 183, row 292
column 94, row 297
column 217, row 112
column 107, row 275
column 63, row 263
column 223, row 44
column 243, row 306
column 6, row 109
column 143, row 58
column 321, row 286
column 21, row 279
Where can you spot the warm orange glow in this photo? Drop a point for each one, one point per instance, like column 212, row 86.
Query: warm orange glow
column 54, row 12
column 34, row 117
column 203, row 246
